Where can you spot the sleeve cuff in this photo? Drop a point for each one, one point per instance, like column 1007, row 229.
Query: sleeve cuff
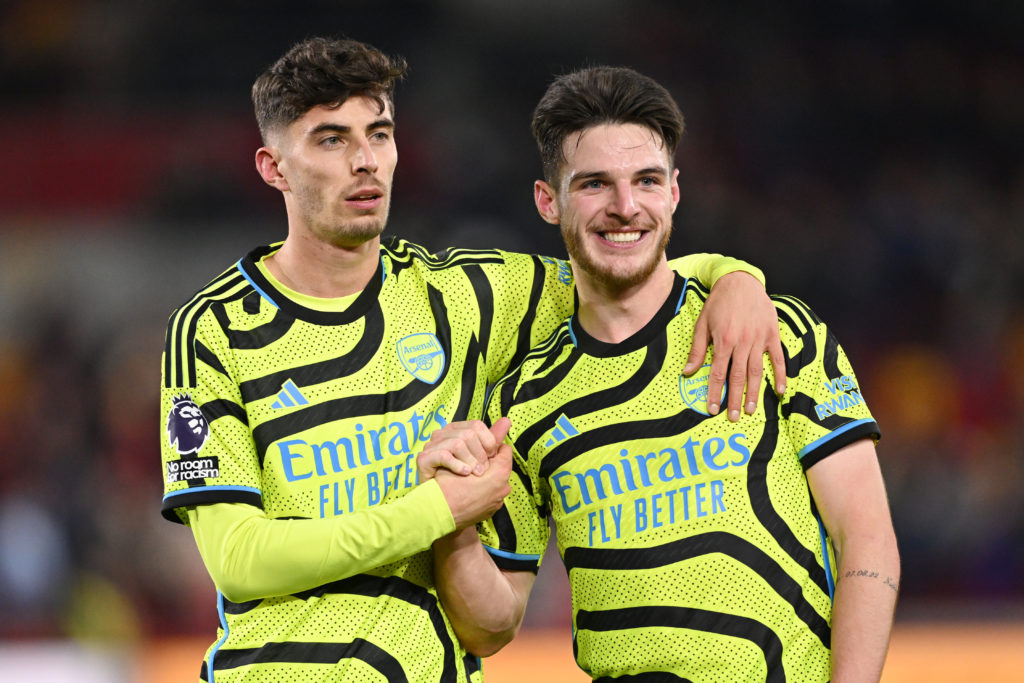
column 730, row 265
column 434, row 503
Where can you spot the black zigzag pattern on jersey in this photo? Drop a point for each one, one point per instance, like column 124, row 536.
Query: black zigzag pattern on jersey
column 471, row 663
column 689, row 618
column 518, row 470
column 395, row 587
column 251, row 303
column 506, row 531
column 761, row 501
column 800, row 319
column 541, row 384
column 654, row 359
column 179, row 352
column 699, row 545
column 646, row 677
column 524, row 340
column 258, row 337
column 218, row 408
column 326, row 370
column 508, row 391
column 508, row 539
column 470, row 370
column 484, row 296
column 563, row 338
column 800, row 309
column 672, row 425
column 802, row 404
column 458, row 256
column 207, row 356
column 697, row 287
column 365, row 404
column 403, row 254
column 312, row 653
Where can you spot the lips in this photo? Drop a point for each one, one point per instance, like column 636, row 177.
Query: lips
column 365, row 198
column 365, row 194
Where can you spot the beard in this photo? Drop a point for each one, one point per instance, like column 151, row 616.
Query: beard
column 337, row 228
column 610, row 274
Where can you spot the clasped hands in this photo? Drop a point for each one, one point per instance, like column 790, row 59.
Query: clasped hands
column 471, row 464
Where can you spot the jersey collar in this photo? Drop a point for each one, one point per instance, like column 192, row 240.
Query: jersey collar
column 641, row 338
column 367, row 298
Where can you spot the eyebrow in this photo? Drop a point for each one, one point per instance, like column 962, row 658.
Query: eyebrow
column 591, row 175
column 338, row 128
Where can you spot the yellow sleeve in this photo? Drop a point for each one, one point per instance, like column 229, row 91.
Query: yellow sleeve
column 251, row 556
column 709, row 267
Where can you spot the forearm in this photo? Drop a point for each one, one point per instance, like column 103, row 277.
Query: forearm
column 708, row 268
column 250, row 556
column 484, row 604
column 865, row 598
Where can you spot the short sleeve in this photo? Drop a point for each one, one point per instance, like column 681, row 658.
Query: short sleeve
column 517, row 534
column 824, row 403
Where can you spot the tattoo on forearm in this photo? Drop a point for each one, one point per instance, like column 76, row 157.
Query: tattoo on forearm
column 868, row 574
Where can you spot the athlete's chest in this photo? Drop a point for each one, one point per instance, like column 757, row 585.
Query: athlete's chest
column 338, row 413
column 641, row 455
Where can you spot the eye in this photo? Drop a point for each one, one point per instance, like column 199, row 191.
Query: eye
column 381, row 136
column 592, row 185
column 330, row 141
column 649, row 181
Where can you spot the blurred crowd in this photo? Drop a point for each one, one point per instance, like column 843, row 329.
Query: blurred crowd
column 869, row 157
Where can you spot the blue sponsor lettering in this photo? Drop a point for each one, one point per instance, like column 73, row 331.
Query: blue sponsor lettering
column 695, row 458
column 301, row 459
column 841, row 402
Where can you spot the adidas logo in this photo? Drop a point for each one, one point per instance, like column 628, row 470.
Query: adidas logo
column 289, row 397
column 562, row 431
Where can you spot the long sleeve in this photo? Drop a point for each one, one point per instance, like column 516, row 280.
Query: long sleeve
column 250, row 556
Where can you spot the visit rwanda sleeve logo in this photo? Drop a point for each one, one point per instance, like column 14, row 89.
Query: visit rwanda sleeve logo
column 421, row 354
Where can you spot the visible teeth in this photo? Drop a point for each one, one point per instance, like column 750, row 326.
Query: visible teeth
column 622, row 236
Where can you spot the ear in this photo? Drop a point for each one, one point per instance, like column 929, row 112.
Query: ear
column 267, row 167
column 675, row 189
column 547, row 202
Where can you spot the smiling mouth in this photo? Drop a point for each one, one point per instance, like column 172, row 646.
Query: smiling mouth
column 623, row 236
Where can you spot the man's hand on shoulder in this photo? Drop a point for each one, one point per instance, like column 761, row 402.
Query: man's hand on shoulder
column 740, row 321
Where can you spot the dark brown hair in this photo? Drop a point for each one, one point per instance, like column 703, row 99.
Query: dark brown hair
column 597, row 95
column 323, row 71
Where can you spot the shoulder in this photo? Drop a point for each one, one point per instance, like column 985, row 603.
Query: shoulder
column 231, row 285
column 540, row 370
column 404, row 254
column 795, row 316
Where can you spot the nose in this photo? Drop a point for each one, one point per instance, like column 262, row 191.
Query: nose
column 363, row 159
column 623, row 204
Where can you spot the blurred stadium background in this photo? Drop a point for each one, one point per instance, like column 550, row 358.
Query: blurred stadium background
column 869, row 156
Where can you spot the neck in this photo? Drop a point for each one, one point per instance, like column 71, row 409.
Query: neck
column 323, row 270
column 612, row 315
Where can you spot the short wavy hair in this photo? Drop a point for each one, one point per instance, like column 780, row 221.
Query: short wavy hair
column 323, row 71
column 597, row 95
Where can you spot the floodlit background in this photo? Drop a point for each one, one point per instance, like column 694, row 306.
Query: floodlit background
column 869, row 156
